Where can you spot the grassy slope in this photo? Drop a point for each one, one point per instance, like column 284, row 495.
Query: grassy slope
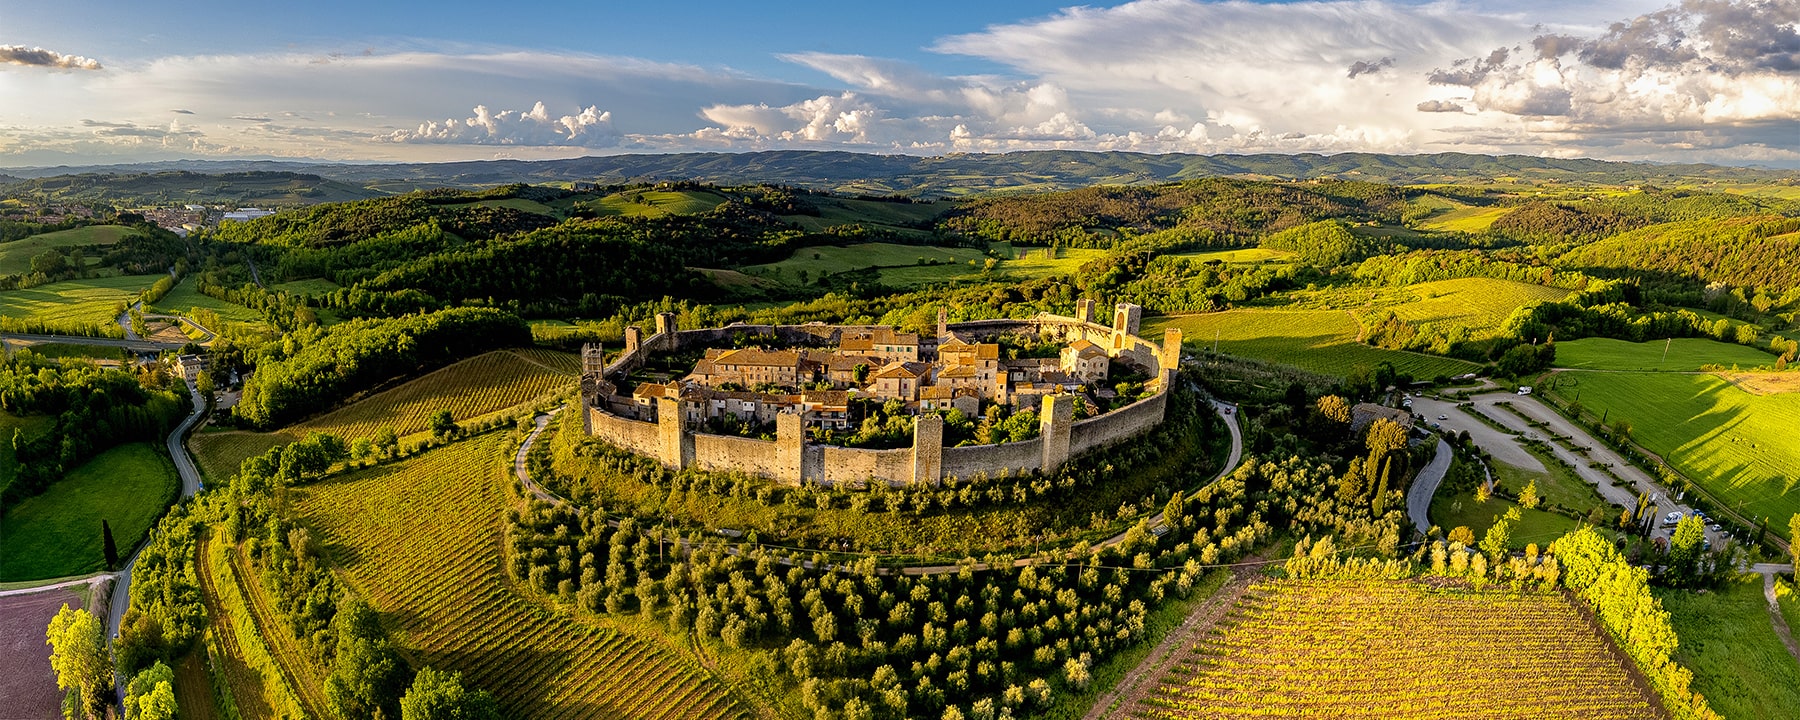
column 1322, row 341
column 84, row 301
column 309, row 286
column 422, row 539
column 1480, row 304
column 1464, row 218
column 656, row 203
column 1240, row 255
column 468, row 389
column 825, row 260
column 1682, row 354
column 1739, row 446
column 15, row 256
column 58, row 533
column 74, row 350
column 9, row 467
column 1727, row 639
column 185, row 298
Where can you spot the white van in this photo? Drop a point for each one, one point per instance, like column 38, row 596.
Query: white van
column 1524, row 389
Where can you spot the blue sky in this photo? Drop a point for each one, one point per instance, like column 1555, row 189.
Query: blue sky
column 112, row 81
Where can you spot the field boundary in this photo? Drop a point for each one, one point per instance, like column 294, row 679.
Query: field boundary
column 280, row 646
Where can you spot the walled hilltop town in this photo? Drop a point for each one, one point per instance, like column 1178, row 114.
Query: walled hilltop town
column 805, row 381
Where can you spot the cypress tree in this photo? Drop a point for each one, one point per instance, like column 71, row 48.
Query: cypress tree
column 106, row 545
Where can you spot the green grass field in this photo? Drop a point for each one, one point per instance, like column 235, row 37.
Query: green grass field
column 1557, row 485
column 309, row 286
column 469, row 389
column 1464, row 218
column 1682, row 354
column 76, row 301
column 75, row 350
column 1740, row 447
column 1480, row 304
column 1322, row 341
column 15, row 256
column 1031, row 263
column 1239, row 255
column 652, row 203
column 184, row 298
column 1729, row 641
column 57, row 533
column 9, row 467
column 1450, row 511
column 818, row 262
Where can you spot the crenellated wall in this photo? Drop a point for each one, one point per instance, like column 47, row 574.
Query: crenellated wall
column 790, row 459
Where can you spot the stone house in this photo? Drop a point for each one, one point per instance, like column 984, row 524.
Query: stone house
column 900, row 380
column 883, row 343
column 1085, row 361
column 944, row 397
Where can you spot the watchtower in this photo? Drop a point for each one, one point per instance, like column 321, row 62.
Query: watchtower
column 593, row 359
column 1055, row 421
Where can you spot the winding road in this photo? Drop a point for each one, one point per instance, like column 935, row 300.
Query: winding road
column 190, row 485
column 1226, row 411
column 1425, row 485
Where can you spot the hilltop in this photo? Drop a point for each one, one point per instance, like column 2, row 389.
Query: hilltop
column 862, row 173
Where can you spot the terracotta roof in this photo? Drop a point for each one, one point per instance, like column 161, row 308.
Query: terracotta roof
column 945, row 392
column 758, row 357
column 650, row 389
column 878, row 336
column 958, row 371
column 903, row 369
column 1086, row 349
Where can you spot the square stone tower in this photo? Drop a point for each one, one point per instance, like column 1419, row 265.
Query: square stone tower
column 928, row 448
column 634, row 338
column 593, row 359
column 1055, row 423
column 1084, row 310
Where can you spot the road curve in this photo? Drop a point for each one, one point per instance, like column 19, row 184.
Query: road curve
column 190, row 484
column 1418, row 497
column 1226, row 411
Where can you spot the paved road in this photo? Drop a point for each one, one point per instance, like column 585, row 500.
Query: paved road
column 190, row 484
column 1782, row 631
column 133, row 345
column 1418, row 497
column 524, row 473
column 1504, row 447
column 1225, row 410
column 1636, row 480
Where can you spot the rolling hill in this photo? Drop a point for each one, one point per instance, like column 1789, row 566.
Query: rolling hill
column 953, row 175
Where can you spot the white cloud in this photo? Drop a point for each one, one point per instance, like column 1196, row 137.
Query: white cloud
column 39, row 57
column 589, row 128
column 1709, row 79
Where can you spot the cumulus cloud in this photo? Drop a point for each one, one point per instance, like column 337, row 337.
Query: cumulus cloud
column 588, row 128
column 39, row 57
column 1706, row 79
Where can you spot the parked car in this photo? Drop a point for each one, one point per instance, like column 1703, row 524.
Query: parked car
column 1443, row 417
column 1715, row 527
column 1524, row 389
column 1672, row 519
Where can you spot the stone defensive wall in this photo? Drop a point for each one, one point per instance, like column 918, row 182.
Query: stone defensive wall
column 791, row 459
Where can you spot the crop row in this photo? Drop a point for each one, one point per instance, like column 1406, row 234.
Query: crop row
column 1294, row 649
column 443, row 587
